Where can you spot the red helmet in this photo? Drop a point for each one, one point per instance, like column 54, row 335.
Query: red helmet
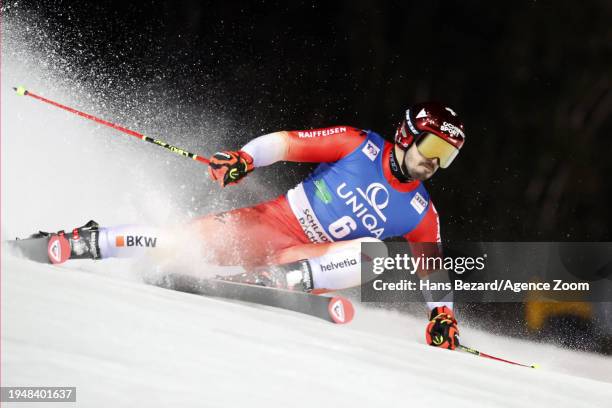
column 436, row 129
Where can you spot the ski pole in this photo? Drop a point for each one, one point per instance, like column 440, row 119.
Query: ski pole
column 24, row 92
column 481, row 354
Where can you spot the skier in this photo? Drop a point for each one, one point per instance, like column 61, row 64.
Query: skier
column 365, row 189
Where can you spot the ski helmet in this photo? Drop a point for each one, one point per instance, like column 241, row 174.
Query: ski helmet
column 436, row 130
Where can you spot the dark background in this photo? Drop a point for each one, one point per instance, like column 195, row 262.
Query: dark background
column 532, row 80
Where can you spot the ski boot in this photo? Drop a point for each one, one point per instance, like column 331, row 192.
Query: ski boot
column 58, row 247
column 295, row 276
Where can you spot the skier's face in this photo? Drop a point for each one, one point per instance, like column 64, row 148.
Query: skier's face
column 419, row 167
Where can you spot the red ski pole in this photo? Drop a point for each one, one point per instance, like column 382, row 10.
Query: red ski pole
column 24, row 92
column 481, row 354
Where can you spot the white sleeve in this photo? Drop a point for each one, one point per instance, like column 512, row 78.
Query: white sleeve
column 267, row 149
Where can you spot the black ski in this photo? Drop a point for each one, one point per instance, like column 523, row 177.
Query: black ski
column 335, row 309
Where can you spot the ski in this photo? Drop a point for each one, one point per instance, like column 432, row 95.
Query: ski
column 40, row 248
column 335, row 309
column 55, row 249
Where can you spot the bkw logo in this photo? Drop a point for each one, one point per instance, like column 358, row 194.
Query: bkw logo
column 135, row 241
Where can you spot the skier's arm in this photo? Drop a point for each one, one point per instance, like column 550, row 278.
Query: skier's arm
column 313, row 146
column 425, row 239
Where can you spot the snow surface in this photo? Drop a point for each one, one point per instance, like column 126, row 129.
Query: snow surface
column 124, row 344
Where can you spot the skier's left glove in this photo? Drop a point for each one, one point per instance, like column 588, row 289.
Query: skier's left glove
column 442, row 328
column 230, row 167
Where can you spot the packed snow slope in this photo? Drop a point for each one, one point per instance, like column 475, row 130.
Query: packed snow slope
column 125, row 344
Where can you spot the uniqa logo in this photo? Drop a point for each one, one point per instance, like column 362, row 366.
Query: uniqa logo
column 376, row 197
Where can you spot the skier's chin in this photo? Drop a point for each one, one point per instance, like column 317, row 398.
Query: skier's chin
column 422, row 172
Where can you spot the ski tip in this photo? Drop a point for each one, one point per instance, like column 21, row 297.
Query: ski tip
column 340, row 310
column 535, row 366
column 21, row 91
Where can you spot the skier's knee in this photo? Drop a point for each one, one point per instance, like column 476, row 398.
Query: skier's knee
column 342, row 267
column 368, row 247
column 357, row 243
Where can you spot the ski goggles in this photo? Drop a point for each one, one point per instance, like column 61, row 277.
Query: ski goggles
column 433, row 146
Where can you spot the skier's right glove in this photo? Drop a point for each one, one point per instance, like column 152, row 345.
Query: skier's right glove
column 442, row 328
column 229, row 167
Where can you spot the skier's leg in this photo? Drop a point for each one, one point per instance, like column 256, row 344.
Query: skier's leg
column 237, row 237
column 249, row 236
column 335, row 265
column 246, row 236
column 91, row 241
column 131, row 241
